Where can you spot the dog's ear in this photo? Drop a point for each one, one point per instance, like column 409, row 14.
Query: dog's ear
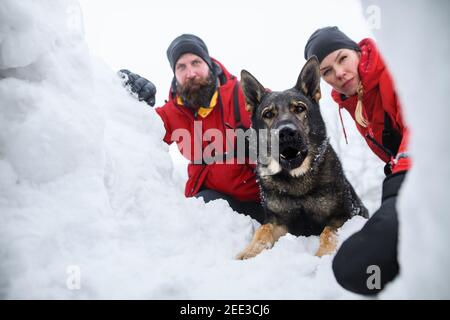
column 252, row 89
column 308, row 81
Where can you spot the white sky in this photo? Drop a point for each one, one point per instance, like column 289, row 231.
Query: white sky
column 265, row 37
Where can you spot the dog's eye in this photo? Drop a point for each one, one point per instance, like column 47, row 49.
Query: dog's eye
column 268, row 114
column 298, row 109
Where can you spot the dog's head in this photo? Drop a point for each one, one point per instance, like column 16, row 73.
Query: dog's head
column 291, row 116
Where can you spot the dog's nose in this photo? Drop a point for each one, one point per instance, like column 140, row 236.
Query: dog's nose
column 287, row 133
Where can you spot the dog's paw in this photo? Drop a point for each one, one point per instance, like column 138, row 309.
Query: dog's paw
column 324, row 251
column 328, row 242
column 263, row 239
column 253, row 249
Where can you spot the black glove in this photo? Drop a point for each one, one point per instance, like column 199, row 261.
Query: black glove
column 137, row 85
column 374, row 245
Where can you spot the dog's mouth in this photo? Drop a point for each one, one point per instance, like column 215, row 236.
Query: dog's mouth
column 292, row 157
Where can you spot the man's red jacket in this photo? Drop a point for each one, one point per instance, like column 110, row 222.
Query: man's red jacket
column 233, row 179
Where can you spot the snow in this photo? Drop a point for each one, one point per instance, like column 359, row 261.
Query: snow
column 424, row 202
column 91, row 203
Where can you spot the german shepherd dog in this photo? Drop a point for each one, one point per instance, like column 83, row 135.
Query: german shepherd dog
column 303, row 187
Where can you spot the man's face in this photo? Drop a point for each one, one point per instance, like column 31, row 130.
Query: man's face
column 191, row 68
column 195, row 81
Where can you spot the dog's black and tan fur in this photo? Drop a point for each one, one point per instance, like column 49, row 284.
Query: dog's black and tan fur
column 304, row 190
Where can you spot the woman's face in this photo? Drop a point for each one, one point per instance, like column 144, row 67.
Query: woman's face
column 340, row 70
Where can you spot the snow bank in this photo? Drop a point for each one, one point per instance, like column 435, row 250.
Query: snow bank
column 416, row 50
column 88, row 207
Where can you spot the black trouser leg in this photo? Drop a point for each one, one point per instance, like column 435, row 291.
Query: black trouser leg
column 250, row 208
column 372, row 251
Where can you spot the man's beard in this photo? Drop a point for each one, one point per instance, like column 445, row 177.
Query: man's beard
column 197, row 93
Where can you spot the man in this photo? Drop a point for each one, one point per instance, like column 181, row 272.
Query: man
column 204, row 97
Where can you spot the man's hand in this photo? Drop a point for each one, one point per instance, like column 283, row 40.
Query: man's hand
column 138, row 86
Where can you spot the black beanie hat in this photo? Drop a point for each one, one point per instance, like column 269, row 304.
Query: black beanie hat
column 187, row 43
column 326, row 40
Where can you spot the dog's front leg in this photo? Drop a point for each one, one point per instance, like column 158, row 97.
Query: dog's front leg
column 328, row 242
column 264, row 238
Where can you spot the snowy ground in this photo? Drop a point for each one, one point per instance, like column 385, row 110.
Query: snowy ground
column 89, row 195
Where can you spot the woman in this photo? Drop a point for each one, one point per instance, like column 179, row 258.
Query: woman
column 363, row 86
